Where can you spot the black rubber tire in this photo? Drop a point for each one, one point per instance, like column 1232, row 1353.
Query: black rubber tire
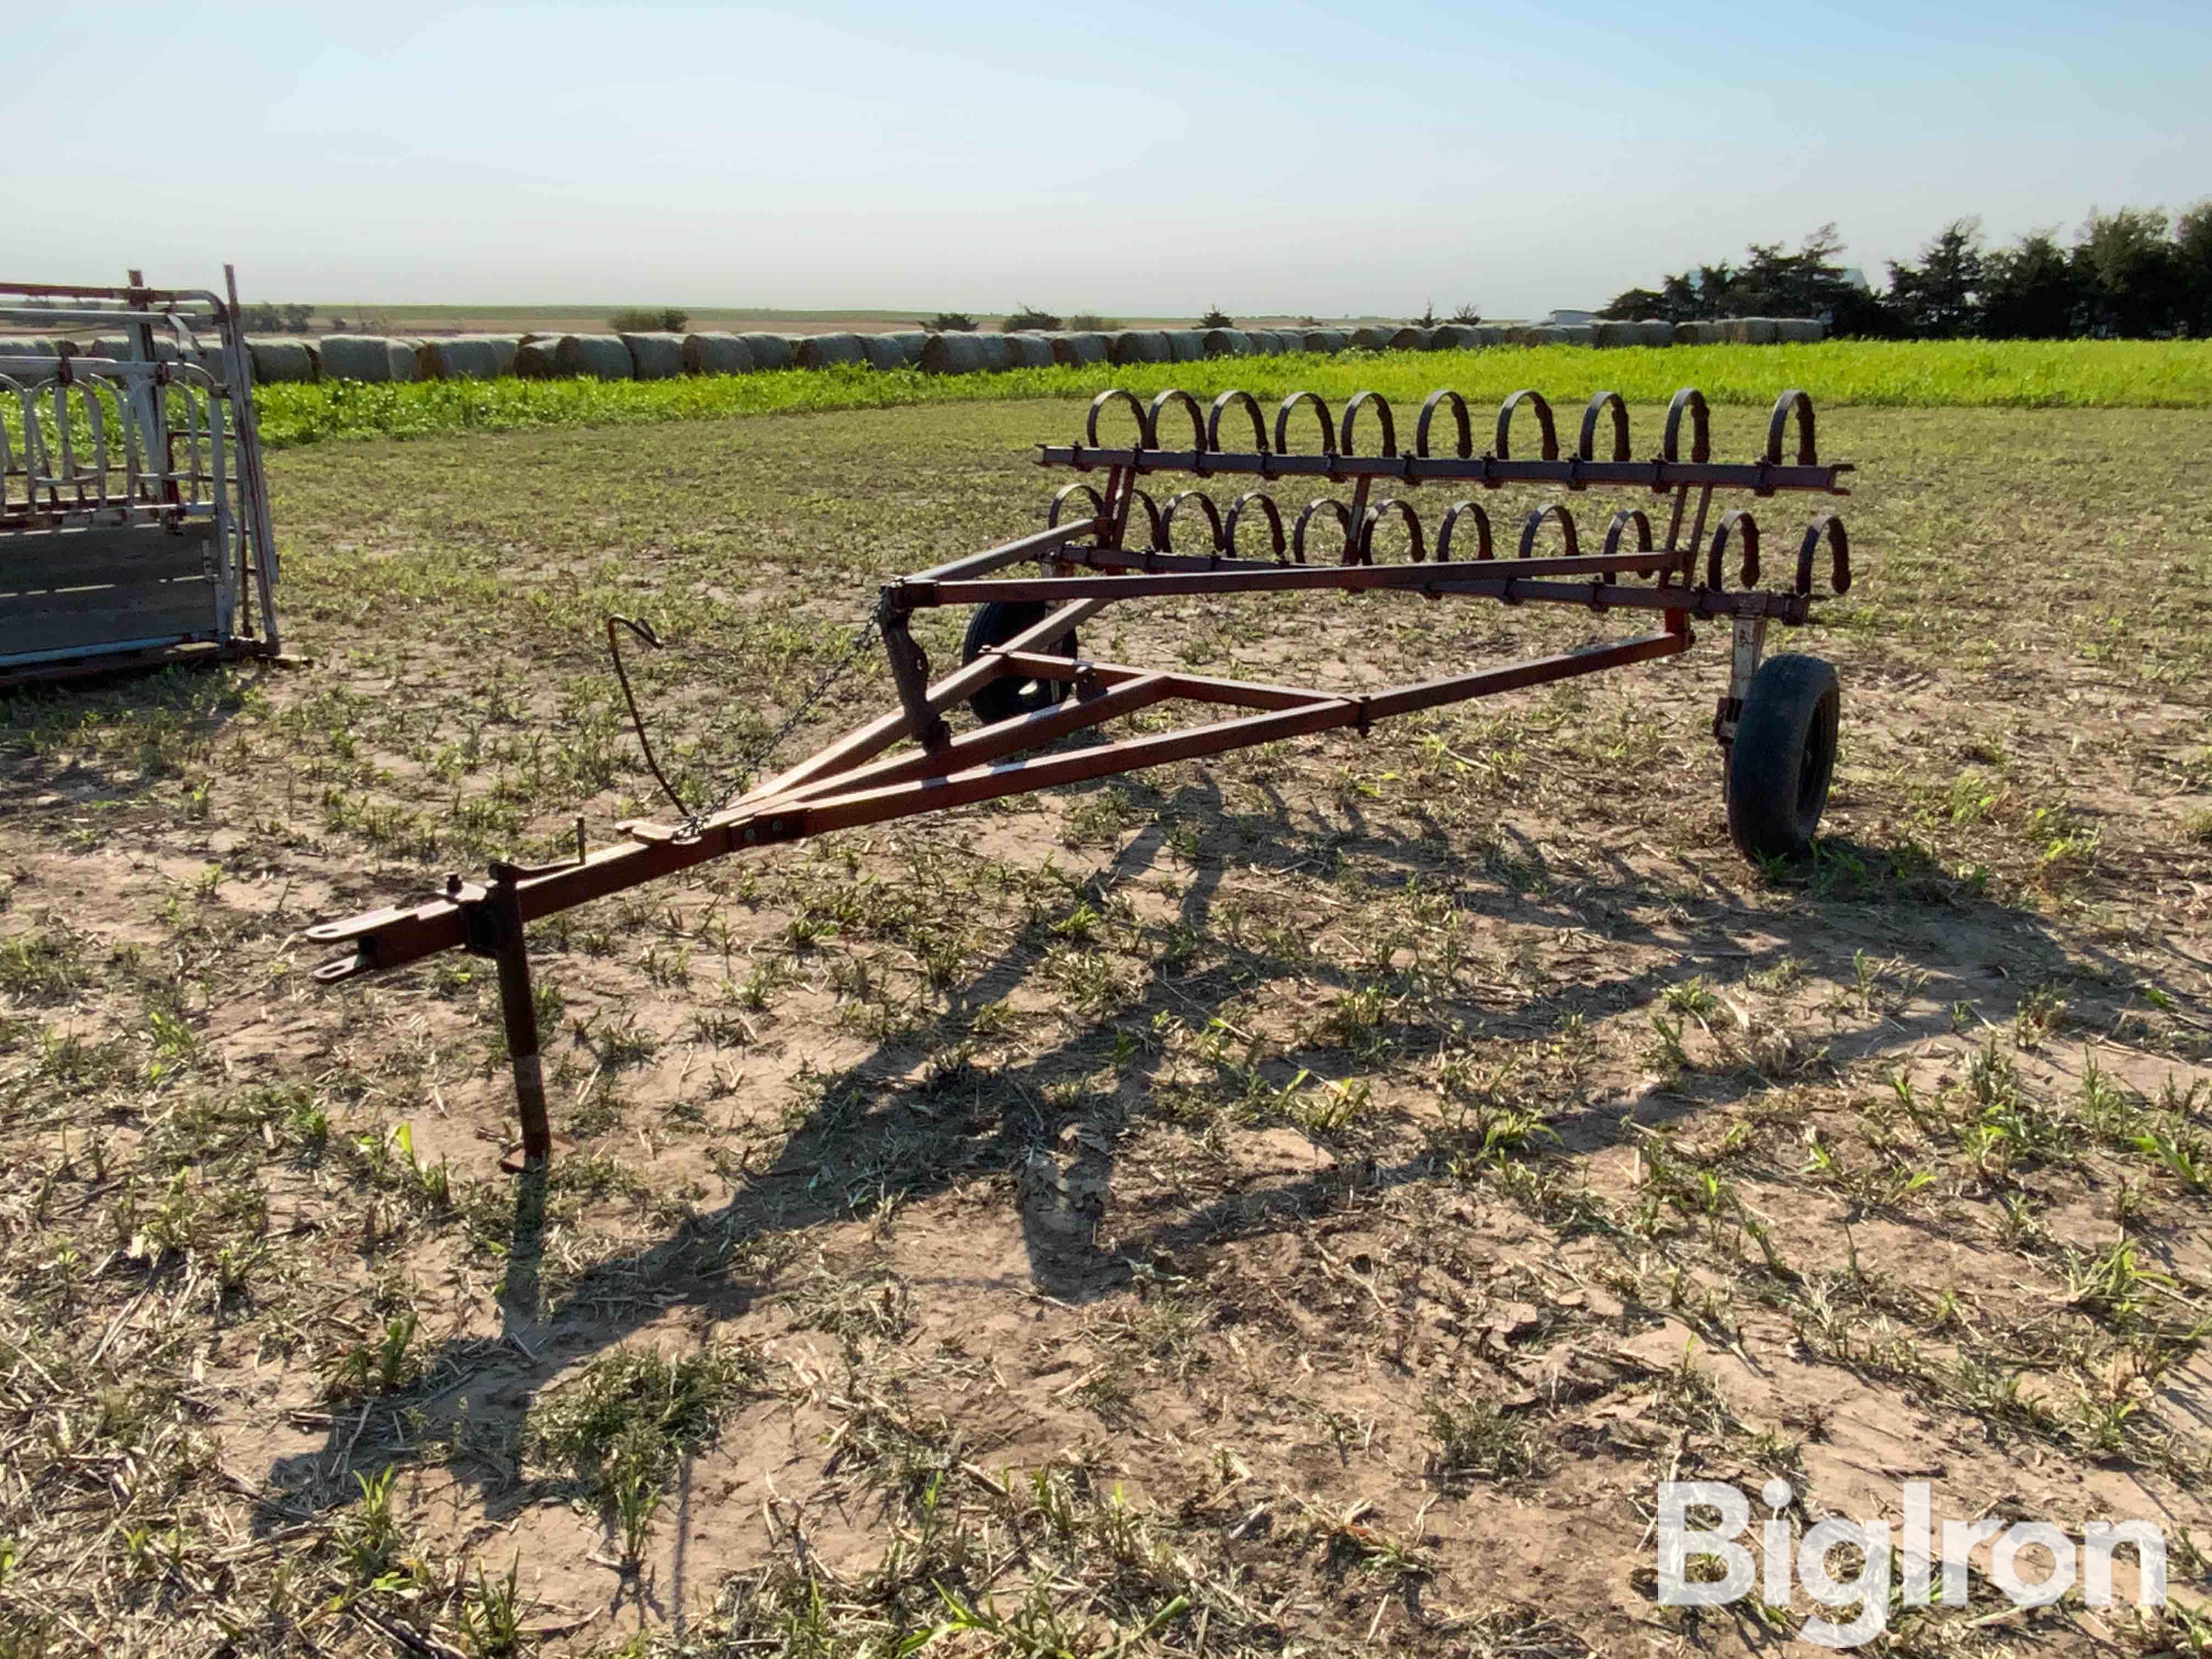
column 1783, row 757
column 993, row 625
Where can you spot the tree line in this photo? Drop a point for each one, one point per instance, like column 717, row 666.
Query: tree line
column 2133, row 273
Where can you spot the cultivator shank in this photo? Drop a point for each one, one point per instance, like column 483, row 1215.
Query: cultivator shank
column 1026, row 676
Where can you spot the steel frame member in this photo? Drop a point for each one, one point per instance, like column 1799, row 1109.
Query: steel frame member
column 1777, row 722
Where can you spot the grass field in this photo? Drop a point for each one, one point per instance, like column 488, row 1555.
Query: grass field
column 2084, row 374
column 1301, row 1202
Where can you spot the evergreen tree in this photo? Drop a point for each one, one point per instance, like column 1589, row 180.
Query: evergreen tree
column 1941, row 298
column 2127, row 265
column 2029, row 291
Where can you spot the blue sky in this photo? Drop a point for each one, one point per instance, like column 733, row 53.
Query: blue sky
column 1133, row 159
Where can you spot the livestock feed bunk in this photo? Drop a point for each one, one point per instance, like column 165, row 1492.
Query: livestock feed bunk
column 1027, row 683
column 134, row 519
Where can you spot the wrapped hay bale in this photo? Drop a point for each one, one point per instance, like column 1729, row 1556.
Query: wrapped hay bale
column 768, row 351
column 1267, row 342
column 1581, row 334
column 533, row 356
column 1028, row 350
column 952, row 354
column 1611, row 335
column 830, row 351
column 1760, row 330
column 1076, row 350
column 1371, row 339
column 901, row 350
column 47, row 355
column 654, row 357
column 401, row 359
column 1541, row 334
column 1651, row 332
column 1324, row 340
column 1690, row 334
column 592, row 356
column 1413, row 339
column 466, row 358
column 124, row 348
column 1802, row 331
column 1139, row 345
column 1186, row 345
column 716, row 354
column 356, row 357
column 1226, row 343
column 1455, row 337
column 277, row 361
column 998, row 352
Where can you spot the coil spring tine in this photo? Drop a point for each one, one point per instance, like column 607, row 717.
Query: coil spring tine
column 1206, row 505
column 1266, row 504
column 1535, row 522
column 1792, row 402
column 1343, row 517
column 1604, row 400
column 1621, row 520
column 1535, row 400
column 1375, row 515
column 1172, row 396
column 1741, row 521
column 1158, row 534
column 1831, row 528
column 1444, row 397
column 1058, row 502
column 1691, row 401
column 1250, row 406
column 1483, row 548
column 1359, row 401
column 1283, row 423
column 1098, row 405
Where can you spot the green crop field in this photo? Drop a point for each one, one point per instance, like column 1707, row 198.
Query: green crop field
column 2059, row 374
column 1301, row 1202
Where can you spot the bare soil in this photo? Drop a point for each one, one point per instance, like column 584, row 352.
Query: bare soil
column 1289, row 1203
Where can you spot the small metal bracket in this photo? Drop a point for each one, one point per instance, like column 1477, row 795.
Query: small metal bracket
column 910, row 665
column 1748, row 645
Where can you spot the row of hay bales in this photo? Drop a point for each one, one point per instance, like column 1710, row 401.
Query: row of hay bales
column 375, row 359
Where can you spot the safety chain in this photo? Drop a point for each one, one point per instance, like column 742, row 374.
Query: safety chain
column 749, row 767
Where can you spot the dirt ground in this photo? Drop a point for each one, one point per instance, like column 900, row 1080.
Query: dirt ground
column 1299, row 1202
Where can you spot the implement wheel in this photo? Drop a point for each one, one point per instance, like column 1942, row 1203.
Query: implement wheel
column 993, row 625
column 1784, row 758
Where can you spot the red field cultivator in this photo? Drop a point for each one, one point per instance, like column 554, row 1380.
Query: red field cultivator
column 1028, row 684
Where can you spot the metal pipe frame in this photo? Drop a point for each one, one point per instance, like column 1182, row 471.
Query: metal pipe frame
column 984, row 765
column 1493, row 472
column 155, row 491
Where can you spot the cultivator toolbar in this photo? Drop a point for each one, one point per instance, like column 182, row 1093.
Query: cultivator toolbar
column 134, row 520
column 1028, row 684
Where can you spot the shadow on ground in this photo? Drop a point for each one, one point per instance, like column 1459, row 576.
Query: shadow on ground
column 862, row 1146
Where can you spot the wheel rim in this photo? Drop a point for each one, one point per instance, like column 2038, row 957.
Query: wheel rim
column 1819, row 767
